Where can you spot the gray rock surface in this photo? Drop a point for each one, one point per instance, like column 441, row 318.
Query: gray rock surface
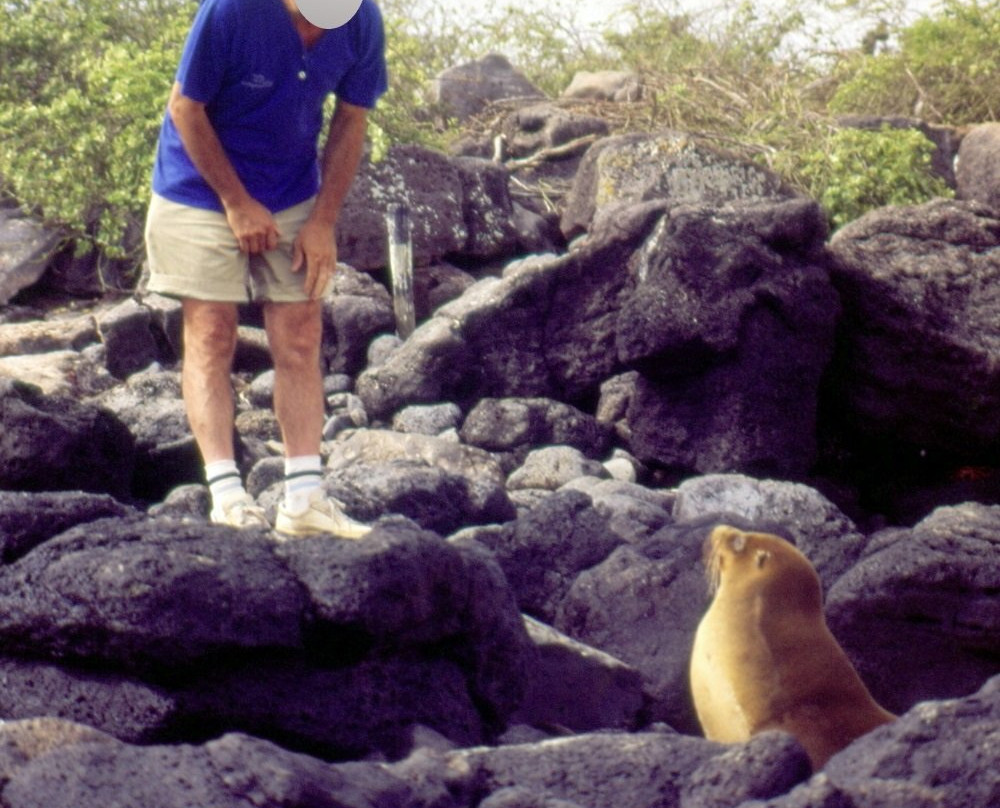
column 52, row 443
column 642, row 604
column 26, row 247
column 604, row 85
column 552, row 467
column 470, row 479
column 27, row 520
column 976, row 175
column 579, row 688
column 150, row 405
column 921, row 287
column 455, row 207
column 729, row 324
column 512, row 423
column 358, row 310
column 466, row 89
column 672, row 166
column 768, row 765
column 641, row 769
column 234, row 771
column 543, row 553
column 131, row 342
column 829, row 539
column 918, row 613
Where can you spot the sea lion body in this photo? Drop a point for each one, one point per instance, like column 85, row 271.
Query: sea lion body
column 763, row 657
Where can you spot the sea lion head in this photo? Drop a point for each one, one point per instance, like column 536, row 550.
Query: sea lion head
column 759, row 561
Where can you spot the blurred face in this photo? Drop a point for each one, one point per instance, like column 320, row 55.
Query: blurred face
column 325, row 13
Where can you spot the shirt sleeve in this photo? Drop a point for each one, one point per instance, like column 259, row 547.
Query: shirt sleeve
column 368, row 78
column 205, row 56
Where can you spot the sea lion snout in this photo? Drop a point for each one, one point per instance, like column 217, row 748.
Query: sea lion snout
column 722, row 540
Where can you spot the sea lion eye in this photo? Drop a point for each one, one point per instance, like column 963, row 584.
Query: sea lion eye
column 738, row 542
column 762, row 557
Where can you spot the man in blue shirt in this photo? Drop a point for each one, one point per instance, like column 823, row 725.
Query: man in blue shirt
column 245, row 207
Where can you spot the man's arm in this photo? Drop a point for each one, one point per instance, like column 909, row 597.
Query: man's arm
column 250, row 221
column 316, row 245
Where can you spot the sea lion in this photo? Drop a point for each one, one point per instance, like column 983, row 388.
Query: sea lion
column 763, row 657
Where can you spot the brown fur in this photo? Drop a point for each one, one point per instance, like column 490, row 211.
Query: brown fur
column 763, row 657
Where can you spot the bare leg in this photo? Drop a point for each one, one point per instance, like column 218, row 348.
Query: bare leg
column 209, row 345
column 294, row 332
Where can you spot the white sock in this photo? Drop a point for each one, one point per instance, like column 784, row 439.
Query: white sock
column 224, row 481
column 303, row 475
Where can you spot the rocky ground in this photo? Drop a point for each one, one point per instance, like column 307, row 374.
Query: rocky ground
column 591, row 387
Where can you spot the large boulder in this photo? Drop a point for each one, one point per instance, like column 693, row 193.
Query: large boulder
column 137, row 595
column 920, row 613
column 440, row 484
column 341, row 647
column 918, row 356
column 132, row 339
column 508, row 424
column 26, row 248
column 463, row 90
column 47, row 332
column 52, row 443
column 642, row 604
column 706, row 303
column 150, row 405
column 977, row 175
column 593, row 771
column 456, row 207
column 358, row 310
column 578, row 687
column 60, row 373
column 661, row 769
column 828, row 538
column 604, row 85
column 544, row 329
column 233, row 771
column 730, row 324
column 543, row 552
column 672, row 166
column 27, row 520
column 546, row 127
column 124, row 706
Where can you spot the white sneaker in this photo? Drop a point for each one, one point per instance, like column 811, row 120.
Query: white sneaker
column 323, row 515
column 239, row 512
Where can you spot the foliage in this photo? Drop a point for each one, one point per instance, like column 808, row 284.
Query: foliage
column 946, row 69
column 856, row 170
column 80, row 108
column 83, row 84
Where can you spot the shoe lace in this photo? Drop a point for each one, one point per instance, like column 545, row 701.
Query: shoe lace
column 248, row 513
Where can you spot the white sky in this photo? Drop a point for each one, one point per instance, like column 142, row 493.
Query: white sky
column 842, row 29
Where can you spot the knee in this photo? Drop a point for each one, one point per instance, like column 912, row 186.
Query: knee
column 210, row 337
column 300, row 349
column 295, row 341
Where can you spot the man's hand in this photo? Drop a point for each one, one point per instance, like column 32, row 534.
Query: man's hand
column 315, row 249
column 253, row 225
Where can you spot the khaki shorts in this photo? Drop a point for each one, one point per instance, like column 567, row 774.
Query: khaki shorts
column 193, row 253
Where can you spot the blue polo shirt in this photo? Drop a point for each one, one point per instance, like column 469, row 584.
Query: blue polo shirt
column 264, row 94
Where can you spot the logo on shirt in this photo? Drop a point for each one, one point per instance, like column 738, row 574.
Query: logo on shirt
column 258, row 81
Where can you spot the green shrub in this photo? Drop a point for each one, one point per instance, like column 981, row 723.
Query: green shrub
column 946, row 69
column 77, row 136
column 857, row 170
